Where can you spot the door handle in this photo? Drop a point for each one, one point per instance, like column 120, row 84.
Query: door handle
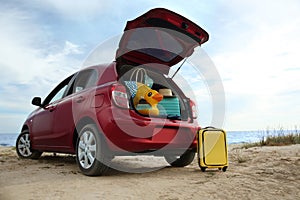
column 80, row 99
column 51, row 108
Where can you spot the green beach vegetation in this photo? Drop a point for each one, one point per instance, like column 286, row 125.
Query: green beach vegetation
column 279, row 137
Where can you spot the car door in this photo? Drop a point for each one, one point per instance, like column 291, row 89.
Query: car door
column 42, row 122
column 71, row 108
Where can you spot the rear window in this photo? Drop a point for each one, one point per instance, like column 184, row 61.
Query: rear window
column 154, row 42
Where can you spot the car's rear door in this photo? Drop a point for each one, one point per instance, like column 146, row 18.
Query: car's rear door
column 70, row 109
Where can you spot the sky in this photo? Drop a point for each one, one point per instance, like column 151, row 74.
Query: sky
column 253, row 45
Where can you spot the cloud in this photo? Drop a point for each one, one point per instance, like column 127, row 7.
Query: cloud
column 258, row 65
column 98, row 10
column 30, row 65
column 68, row 49
column 254, row 45
column 77, row 9
column 24, row 52
column 260, row 112
column 11, row 120
column 256, row 50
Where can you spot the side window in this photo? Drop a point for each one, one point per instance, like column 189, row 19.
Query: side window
column 85, row 79
column 59, row 94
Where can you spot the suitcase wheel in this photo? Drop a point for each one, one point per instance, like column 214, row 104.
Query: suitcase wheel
column 203, row 169
column 224, row 169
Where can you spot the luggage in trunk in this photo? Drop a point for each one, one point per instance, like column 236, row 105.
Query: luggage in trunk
column 169, row 106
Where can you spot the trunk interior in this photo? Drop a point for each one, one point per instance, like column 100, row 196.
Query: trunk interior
column 174, row 105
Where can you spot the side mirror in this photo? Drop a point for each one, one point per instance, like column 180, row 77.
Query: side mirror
column 37, row 101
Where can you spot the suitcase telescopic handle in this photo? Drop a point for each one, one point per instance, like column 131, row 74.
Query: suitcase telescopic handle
column 211, row 127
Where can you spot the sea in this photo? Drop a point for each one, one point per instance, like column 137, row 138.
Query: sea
column 233, row 137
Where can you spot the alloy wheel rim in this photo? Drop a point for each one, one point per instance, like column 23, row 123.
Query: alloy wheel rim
column 24, row 145
column 87, row 149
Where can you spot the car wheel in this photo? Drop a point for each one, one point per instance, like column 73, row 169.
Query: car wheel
column 180, row 161
column 90, row 151
column 23, row 147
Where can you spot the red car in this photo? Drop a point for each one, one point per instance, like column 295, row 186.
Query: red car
column 92, row 113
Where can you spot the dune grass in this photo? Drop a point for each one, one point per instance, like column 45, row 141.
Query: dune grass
column 277, row 138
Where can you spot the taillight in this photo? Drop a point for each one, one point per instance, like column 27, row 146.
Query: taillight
column 194, row 109
column 119, row 96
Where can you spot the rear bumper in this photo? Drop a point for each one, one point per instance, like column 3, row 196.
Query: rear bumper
column 127, row 132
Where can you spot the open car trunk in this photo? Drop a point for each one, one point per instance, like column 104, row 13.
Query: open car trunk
column 151, row 44
column 174, row 105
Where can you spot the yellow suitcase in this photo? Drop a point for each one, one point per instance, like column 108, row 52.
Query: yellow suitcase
column 212, row 149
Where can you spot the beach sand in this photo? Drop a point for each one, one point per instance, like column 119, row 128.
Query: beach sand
column 255, row 173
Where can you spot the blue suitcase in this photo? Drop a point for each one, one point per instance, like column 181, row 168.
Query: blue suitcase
column 169, row 106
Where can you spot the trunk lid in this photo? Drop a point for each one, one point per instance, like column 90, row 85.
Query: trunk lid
column 159, row 36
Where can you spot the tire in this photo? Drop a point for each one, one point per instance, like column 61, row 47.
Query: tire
column 90, row 152
column 23, row 147
column 180, row 161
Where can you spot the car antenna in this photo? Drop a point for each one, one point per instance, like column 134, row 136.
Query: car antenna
column 179, row 68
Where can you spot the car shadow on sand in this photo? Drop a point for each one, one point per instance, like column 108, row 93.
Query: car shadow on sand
column 122, row 165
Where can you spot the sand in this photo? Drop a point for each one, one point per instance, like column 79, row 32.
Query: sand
column 255, row 173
